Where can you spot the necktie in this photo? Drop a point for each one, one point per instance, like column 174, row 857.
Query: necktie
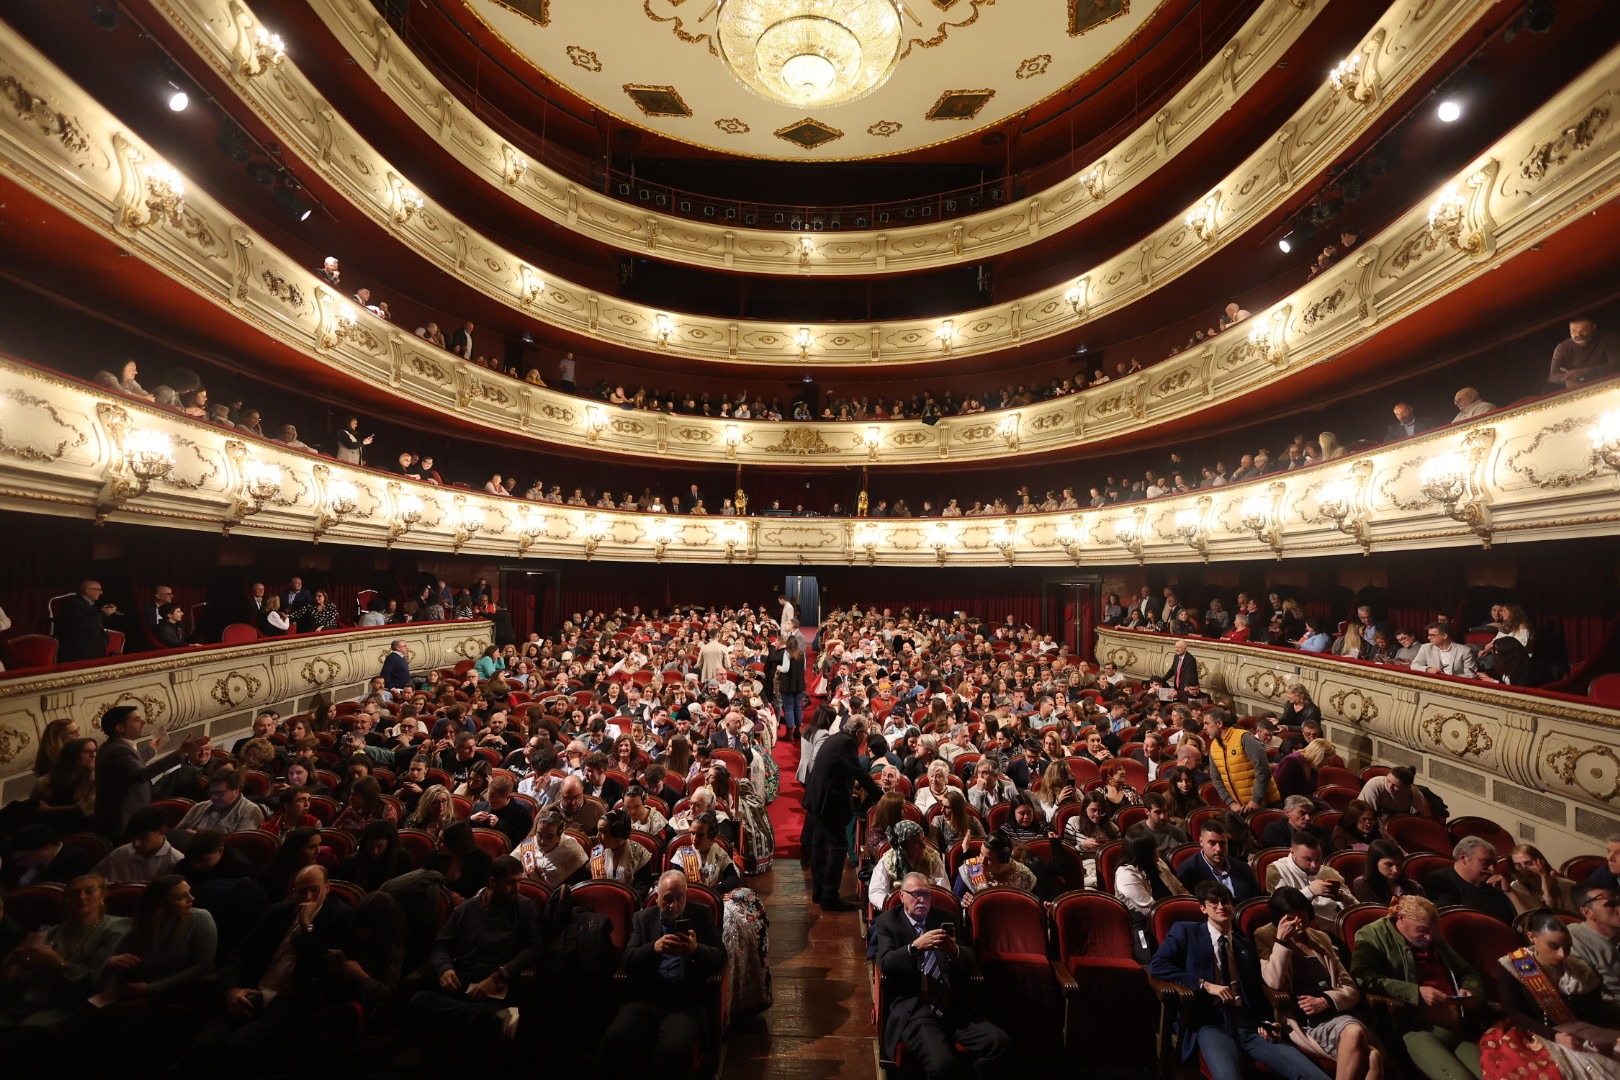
column 1223, row 971
column 936, row 979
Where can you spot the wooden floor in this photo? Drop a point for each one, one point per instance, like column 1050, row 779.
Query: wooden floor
column 820, row 1025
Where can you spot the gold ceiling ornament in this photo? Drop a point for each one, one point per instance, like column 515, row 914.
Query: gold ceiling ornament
column 1034, row 67
column 658, row 100
column 808, row 133
column 959, row 104
column 733, row 125
column 1087, row 15
column 884, row 128
column 536, row 11
column 809, row 53
column 584, row 58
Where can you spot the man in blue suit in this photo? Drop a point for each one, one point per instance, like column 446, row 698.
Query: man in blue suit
column 396, row 669
column 1214, row 863
column 1219, row 965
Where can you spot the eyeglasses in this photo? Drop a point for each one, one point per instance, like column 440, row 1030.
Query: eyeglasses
column 916, row 894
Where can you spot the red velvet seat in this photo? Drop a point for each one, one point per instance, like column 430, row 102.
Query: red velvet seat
column 1333, row 775
column 238, row 634
column 492, row 842
column 1007, row 929
column 97, row 847
column 36, row 906
column 1129, row 816
column 323, row 808
column 1171, row 910
column 998, row 816
column 1196, row 819
column 1261, row 820
column 1208, row 794
column 1484, row 828
column 1416, row 834
column 1349, row 864
column 341, row 843
column 31, row 651
column 615, row 900
column 415, row 846
column 256, row 845
column 1352, row 919
column 1178, row 858
column 1480, row 940
column 1338, row 797
column 960, row 852
column 173, row 809
column 1423, row 863
column 1261, row 861
column 1108, row 859
column 122, row 900
column 1581, row 867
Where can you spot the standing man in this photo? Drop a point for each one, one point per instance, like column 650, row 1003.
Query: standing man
column 152, row 614
column 565, row 373
column 712, row 657
column 1238, row 766
column 461, row 341
column 673, row 949
column 927, row 972
column 295, row 596
column 1183, row 674
column 1583, row 356
column 789, row 616
column 124, row 773
column 396, row 668
column 829, row 808
column 80, row 625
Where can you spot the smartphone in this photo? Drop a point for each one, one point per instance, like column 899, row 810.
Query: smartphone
column 950, row 930
column 683, row 926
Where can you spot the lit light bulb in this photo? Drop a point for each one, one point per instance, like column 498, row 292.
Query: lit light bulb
column 1449, row 111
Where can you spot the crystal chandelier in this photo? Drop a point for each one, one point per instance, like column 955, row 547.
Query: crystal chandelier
column 808, row 53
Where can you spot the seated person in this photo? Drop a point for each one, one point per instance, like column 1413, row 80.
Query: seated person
column 551, row 856
column 644, row 817
column 1593, row 940
column 994, row 865
column 1215, row 863
column 615, row 858
column 46, row 981
column 458, row 857
column 170, row 946
column 1554, row 1010
column 484, row 944
column 148, row 853
column 1229, row 1020
column 226, row 809
column 927, row 974
column 498, row 810
column 673, row 949
column 703, row 859
column 1303, row 870
column 1297, row 811
column 38, row 857
column 908, row 853
column 1471, row 881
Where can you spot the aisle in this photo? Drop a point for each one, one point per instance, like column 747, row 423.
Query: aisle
column 820, row 1026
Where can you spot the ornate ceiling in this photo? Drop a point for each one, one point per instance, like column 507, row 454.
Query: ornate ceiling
column 965, row 66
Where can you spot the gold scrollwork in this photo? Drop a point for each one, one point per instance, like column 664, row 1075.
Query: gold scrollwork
column 1553, row 152
column 1268, row 684
column 286, row 291
column 1324, row 307
column 1604, row 772
column 806, row 442
column 959, row 104
column 733, row 125
column 155, row 708
column 884, row 128
column 1457, row 733
column 29, row 453
column 584, row 58
column 1354, row 705
column 1034, row 67
column 1122, row 657
column 235, row 689
column 55, row 124
column 12, row 743
column 1558, row 479
column 321, row 671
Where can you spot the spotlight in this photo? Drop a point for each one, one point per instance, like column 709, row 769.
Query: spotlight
column 1449, row 111
column 1286, row 243
column 178, row 100
column 296, row 208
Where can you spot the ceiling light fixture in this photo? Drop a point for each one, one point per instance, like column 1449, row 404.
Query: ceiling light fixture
column 809, row 53
column 1449, row 111
column 178, row 99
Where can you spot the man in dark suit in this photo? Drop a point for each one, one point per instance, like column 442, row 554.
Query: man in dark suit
column 926, row 973
column 673, row 949
column 461, row 341
column 37, row 857
column 124, row 772
column 1407, row 423
column 1213, row 863
column 1223, row 1023
column 599, row 783
column 295, row 596
column 1183, row 672
column 396, row 668
column 80, row 624
column 152, row 613
column 729, row 736
column 830, row 807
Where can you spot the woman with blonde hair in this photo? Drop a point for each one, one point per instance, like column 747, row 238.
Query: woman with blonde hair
column 1352, row 644
column 1329, row 443
column 434, row 810
column 57, row 734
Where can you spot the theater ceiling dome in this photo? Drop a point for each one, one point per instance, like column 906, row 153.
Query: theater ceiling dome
column 815, row 80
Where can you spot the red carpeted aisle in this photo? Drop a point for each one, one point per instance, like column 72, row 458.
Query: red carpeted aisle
column 787, row 816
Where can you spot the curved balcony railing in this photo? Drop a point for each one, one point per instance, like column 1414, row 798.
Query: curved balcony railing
column 1394, row 57
column 1523, row 758
column 215, row 689
column 949, row 228
column 1522, row 474
column 1538, row 178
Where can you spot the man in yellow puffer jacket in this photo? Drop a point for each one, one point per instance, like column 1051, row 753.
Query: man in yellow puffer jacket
column 1238, row 765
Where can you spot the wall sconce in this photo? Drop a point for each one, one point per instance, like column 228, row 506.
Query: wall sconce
column 662, row 328
column 595, row 423
column 1190, row 527
column 1345, row 78
column 1068, row 537
column 165, row 198
column 946, row 335
column 662, row 533
column 733, row 437
column 516, row 166
column 733, row 534
column 1005, row 539
column 1448, row 479
column 532, row 288
column 874, row 440
column 148, row 456
column 408, row 510
column 1092, row 181
column 469, row 520
column 1337, row 501
column 593, row 534
column 869, row 541
column 531, row 526
column 802, row 340
column 1075, row 297
column 266, row 52
column 1008, row 430
column 1128, row 534
column 260, row 480
column 1260, row 517
column 1446, row 217
column 342, row 499
column 1605, row 436
column 942, row 540
column 807, row 248
column 345, row 327
column 411, row 203
column 1202, row 220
